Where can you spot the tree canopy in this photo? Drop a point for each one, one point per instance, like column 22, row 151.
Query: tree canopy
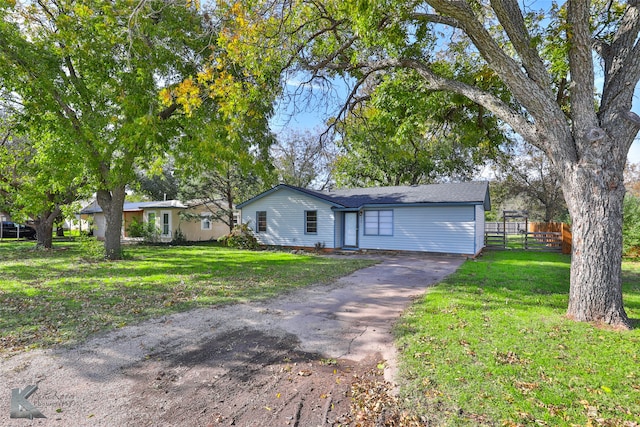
column 403, row 133
column 120, row 84
column 544, row 60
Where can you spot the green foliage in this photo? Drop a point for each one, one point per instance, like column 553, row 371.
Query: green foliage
column 53, row 297
column 491, row 345
column 91, row 249
column 406, row 133
column 240, row 237
column 136, row 228
column 221, row 186
column 526, row 181
column 32, row 185
column 161, row 185
column 103, row 83
column 301, row 159
column 178, row 237
column 148, row 231
column 631, row 226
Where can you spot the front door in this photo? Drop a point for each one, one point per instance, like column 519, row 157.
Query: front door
column 351, row 229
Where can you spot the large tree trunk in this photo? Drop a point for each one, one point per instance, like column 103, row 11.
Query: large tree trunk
column 594, row 197
column 44, row 228
column 112, row 203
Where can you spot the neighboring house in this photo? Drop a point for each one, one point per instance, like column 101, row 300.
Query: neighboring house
column 444, row 218
column 166, row 216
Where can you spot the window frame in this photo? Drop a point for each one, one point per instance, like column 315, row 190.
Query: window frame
column 371, row 227
column 152, row 218
column 314, row 222
column 206, row 219
column 261, row 226
column 165, row 226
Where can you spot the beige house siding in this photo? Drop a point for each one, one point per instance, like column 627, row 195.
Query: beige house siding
column 127, row 220
column 192, row 230
column 163, row 212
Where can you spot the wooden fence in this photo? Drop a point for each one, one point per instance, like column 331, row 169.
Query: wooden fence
column 509, row 227
column 539, row 236
column 551, row 234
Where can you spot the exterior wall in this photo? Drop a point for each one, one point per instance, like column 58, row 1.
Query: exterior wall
column 99, row 225
column 193, row 231
column 479, row 228
column 338, row 231
column 127, row 219
column 286, row 219
column 445, row 229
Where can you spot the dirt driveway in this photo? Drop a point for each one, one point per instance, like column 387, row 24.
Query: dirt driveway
column 290, row 361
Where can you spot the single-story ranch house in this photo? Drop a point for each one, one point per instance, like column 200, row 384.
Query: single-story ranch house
column 444, row 218
column 166, row 216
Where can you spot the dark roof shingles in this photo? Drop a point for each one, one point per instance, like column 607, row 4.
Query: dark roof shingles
column 464, row 192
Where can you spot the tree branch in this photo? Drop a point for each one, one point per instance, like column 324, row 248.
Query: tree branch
column 580, row 65
column 494, row 104
column 510, row 16
column 436, row 19
column 529, row 93
column 622, row 60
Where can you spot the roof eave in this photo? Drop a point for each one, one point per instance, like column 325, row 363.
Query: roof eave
column 288, row 187
column 405, row 205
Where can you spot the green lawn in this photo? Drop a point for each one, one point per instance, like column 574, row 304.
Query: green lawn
column 62, row 296
column 491, row 346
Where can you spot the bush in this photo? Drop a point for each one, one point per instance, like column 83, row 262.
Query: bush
column 147, row 231
column 241, row 237
column 91, row 248
column 136, row 228
column 631, row 226
column 179, row 238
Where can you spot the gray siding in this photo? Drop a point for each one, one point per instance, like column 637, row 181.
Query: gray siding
column 446, row 229
column 285, row 219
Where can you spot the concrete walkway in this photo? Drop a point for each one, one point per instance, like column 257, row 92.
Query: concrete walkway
column 353, row 317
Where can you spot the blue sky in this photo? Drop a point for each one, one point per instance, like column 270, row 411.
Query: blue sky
column 313, row 118
column 314, row 115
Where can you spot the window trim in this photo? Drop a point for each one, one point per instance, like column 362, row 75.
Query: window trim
column 167, row 224
column 307, row 222
column 154, row 215
column 204, row 218
column 368, row 228
column 260, row 229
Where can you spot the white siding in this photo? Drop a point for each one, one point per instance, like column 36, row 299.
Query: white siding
column 479, row 228
column 446, row 229
column 286, row 219
column 99, row 225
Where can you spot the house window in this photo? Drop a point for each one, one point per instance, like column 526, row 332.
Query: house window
column 151, row 219
column 261, row 220
column 311, row 222
column 166, row 224
column 378, row 223
column 205, row 222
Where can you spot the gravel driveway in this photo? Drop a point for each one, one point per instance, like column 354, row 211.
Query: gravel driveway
column 286, row 361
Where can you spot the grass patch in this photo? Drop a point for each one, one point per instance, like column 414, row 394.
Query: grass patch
column 491, row 346
column 60, row 297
